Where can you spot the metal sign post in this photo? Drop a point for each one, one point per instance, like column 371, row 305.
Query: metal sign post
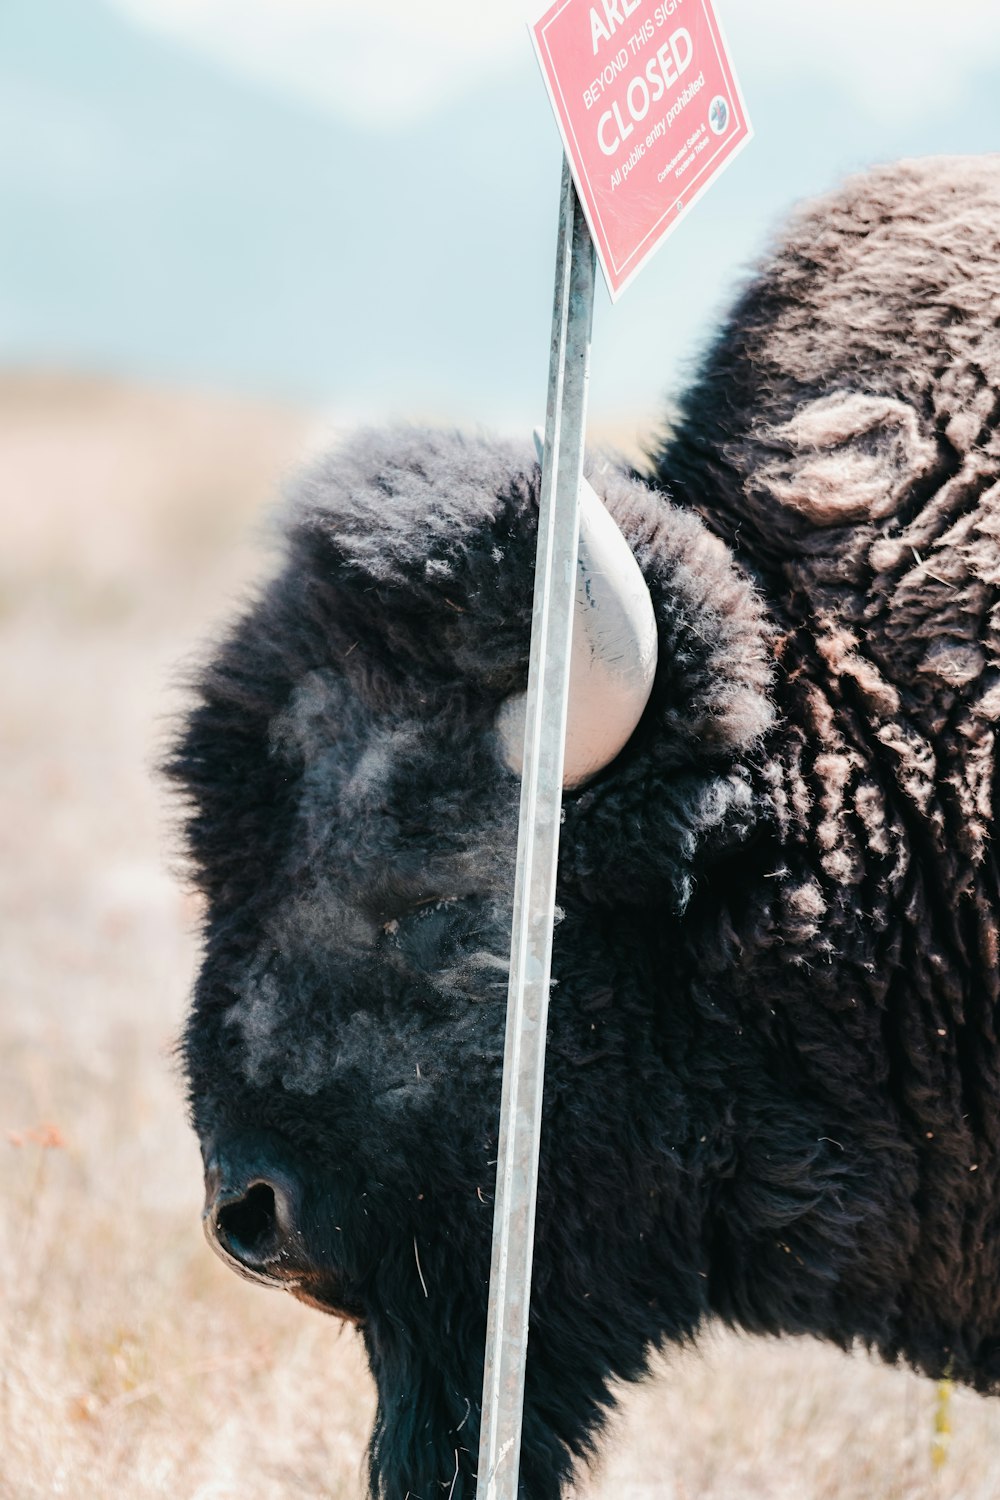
column 537, row 853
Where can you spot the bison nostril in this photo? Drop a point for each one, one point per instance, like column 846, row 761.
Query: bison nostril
column 252, row 1219
column 249, row 1225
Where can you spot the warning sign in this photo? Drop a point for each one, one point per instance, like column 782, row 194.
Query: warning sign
column 650, row 112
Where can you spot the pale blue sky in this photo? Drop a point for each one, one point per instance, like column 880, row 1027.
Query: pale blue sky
column 356, row 208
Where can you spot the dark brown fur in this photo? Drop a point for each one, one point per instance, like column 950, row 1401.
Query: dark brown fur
column 843, row 439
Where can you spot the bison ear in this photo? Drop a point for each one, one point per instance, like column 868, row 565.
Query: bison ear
column 614, row 652
column 845, row 458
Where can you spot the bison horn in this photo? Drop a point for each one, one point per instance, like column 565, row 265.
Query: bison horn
column 614, row 652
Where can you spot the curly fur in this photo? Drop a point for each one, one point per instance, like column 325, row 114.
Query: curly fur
column 773, row 1066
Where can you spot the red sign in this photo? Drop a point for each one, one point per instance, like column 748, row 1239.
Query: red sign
column 650, row 112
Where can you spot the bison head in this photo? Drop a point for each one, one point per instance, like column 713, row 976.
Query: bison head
column 352, row 823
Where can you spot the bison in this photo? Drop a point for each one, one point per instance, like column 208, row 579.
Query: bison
column 773, row 1091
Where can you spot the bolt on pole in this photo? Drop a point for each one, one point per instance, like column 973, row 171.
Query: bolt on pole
column 537, row 853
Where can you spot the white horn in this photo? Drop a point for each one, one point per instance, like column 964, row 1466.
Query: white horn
column 614, row 651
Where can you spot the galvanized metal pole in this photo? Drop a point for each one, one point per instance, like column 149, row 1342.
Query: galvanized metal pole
column 537, row 853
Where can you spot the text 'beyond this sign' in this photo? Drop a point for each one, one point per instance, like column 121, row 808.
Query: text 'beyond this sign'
column 650, row 112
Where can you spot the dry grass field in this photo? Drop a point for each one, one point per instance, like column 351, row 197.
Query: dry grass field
column 132, row 1364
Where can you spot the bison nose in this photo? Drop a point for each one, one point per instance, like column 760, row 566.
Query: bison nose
column 251, row 1219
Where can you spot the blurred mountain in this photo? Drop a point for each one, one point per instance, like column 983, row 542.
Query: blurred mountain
column 162, row 216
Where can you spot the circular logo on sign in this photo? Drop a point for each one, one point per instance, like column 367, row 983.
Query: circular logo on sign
column 718, row 114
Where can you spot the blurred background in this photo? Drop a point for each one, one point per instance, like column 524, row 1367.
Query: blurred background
column 354, row 206
column 228, row 230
